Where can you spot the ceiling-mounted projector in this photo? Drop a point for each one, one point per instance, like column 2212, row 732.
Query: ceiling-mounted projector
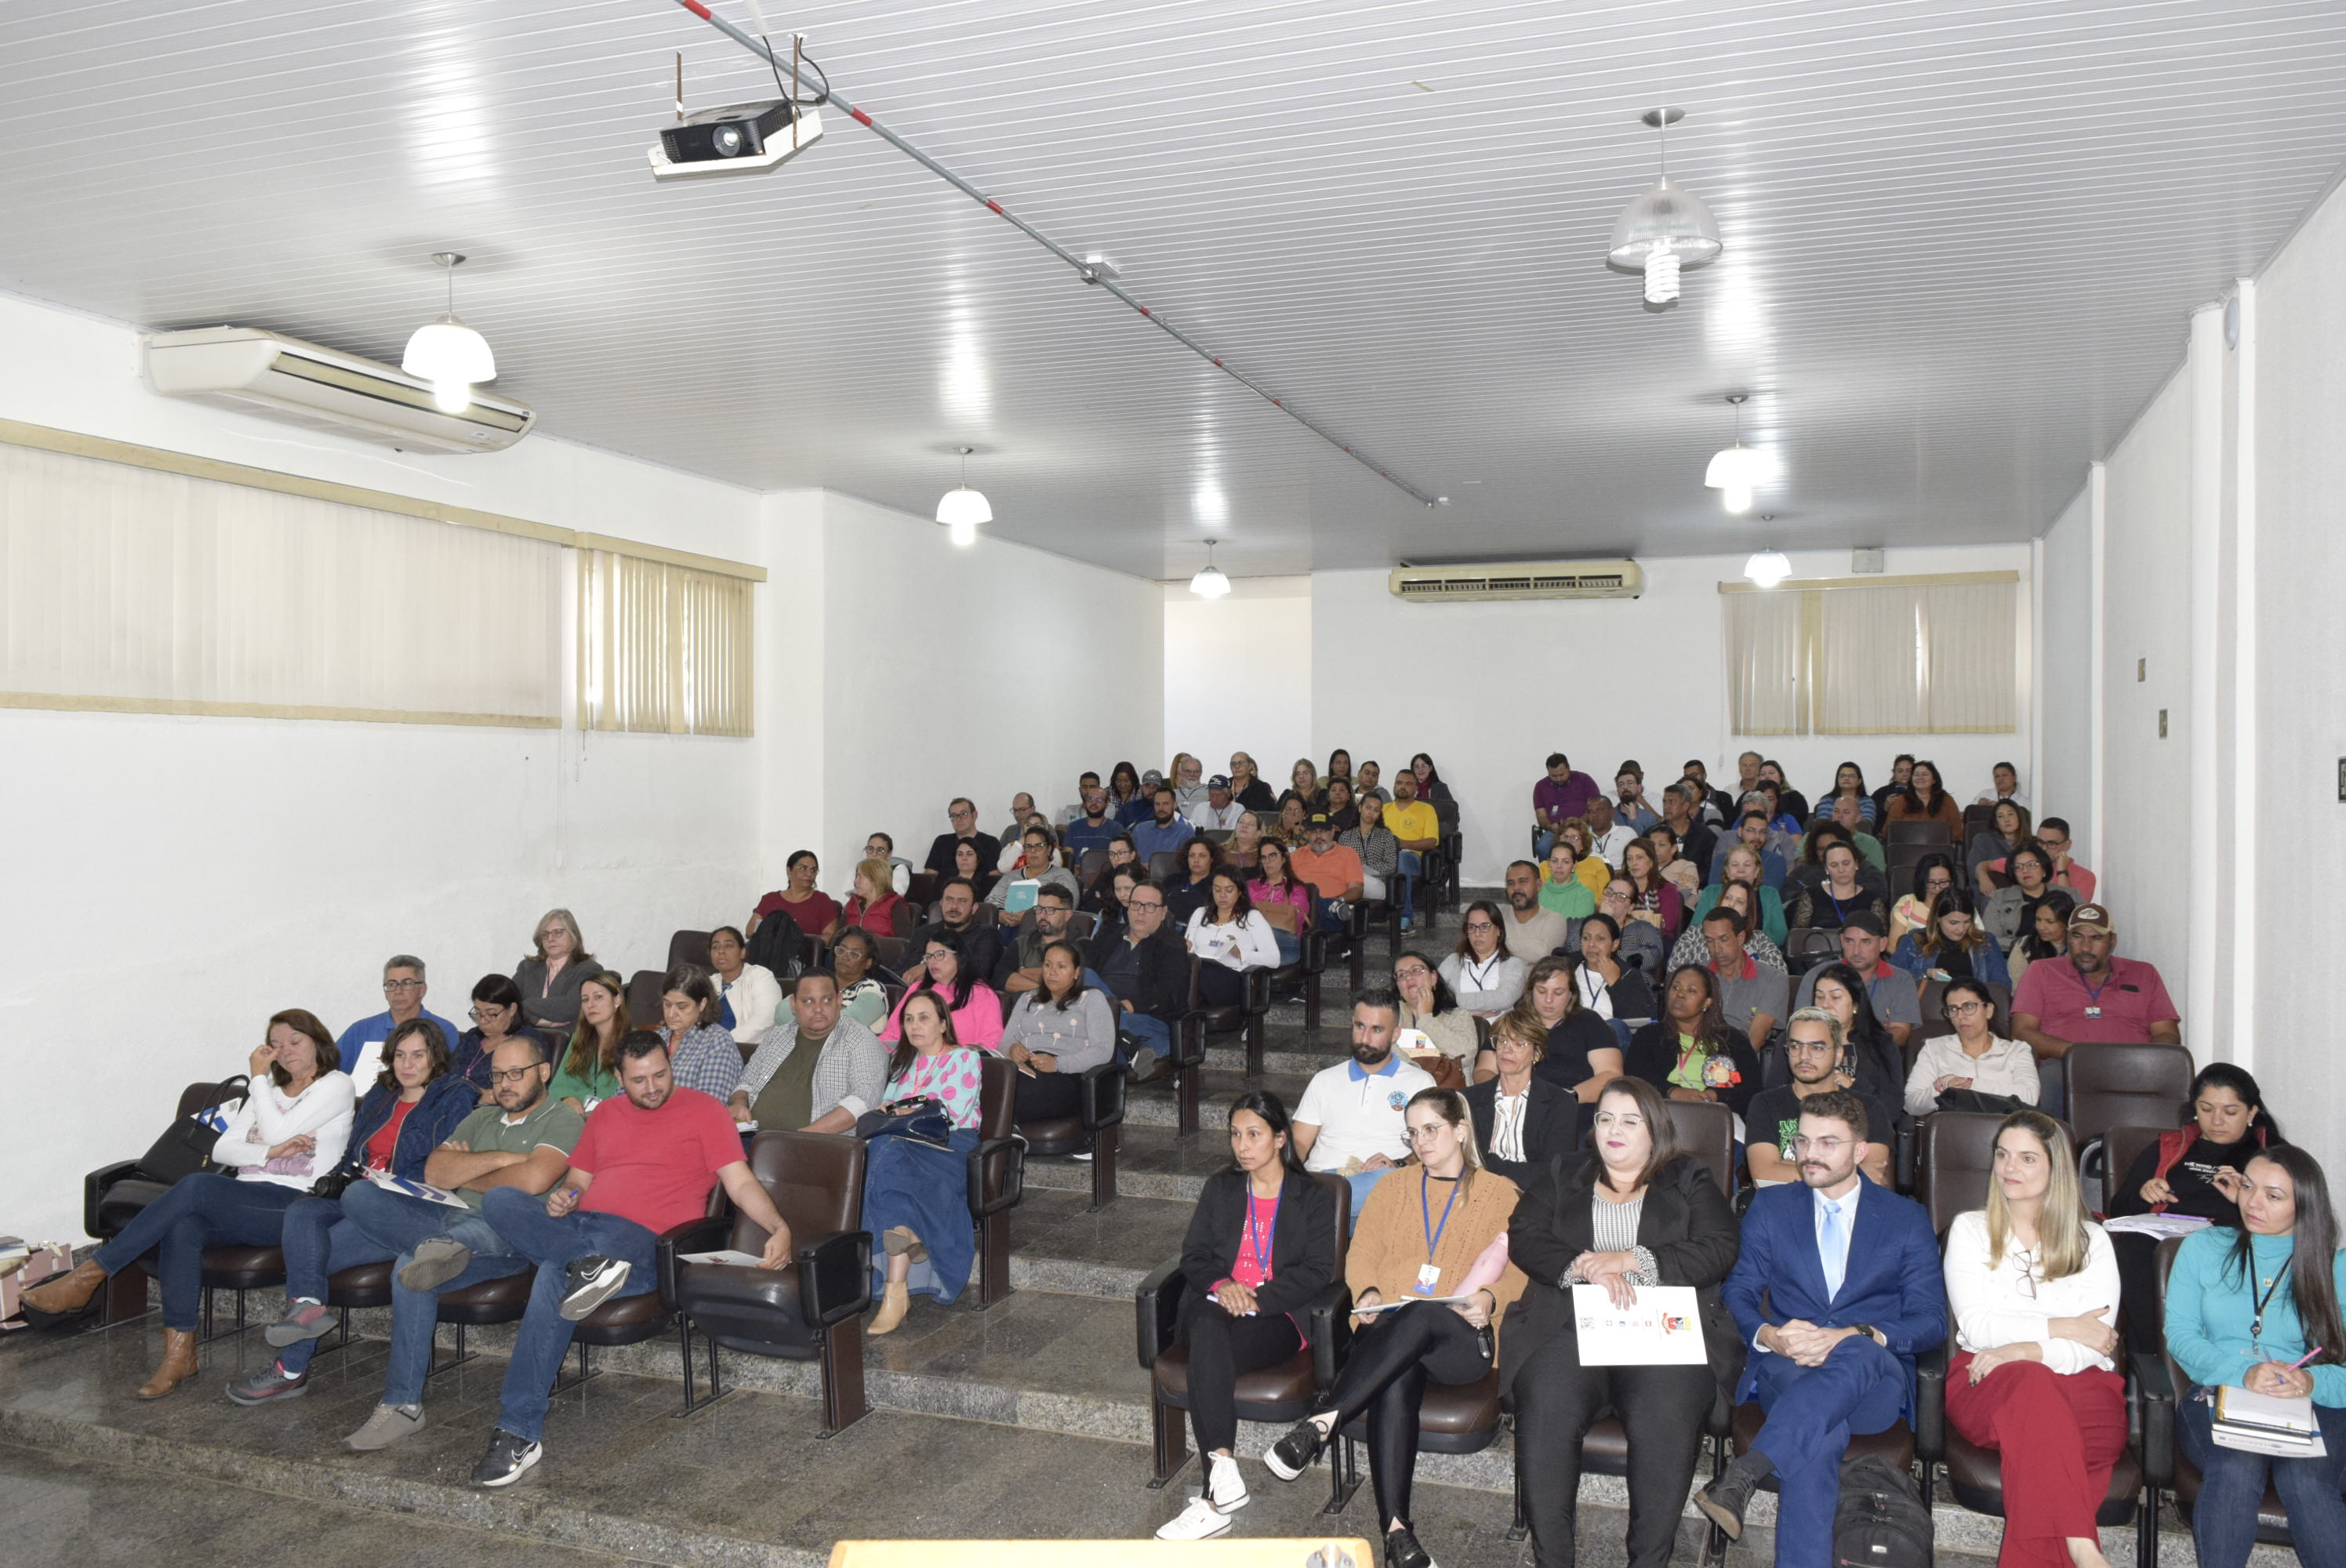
column 740, row 139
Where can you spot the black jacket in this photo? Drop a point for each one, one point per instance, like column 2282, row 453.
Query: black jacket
column 941, row 853
column 1303, row 1248
column 1551, row 1126
column 1686, row 1224
column 1259, row 796
column 1653, row 1052
column 1164, row 991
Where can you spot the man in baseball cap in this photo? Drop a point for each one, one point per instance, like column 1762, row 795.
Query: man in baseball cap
column 1334, row 869
column 1220, row 811
column 2095, row 995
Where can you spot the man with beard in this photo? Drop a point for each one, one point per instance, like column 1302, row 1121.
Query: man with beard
column 1350, row 1121
column 1533, row 933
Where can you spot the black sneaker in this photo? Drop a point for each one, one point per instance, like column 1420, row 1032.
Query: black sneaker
column 1401, row 1549
column 507, row 1457
column 593, row 1281
column 1293, row 1454
column 1724, row 1500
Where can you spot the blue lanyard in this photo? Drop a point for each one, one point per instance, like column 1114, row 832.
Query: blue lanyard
column 1262, row 1249
column 1425, row 1209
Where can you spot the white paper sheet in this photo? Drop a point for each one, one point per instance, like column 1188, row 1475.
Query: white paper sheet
column 1664, row 1329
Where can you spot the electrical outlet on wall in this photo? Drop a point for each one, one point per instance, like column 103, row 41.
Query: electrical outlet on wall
column 2162, row 724
column 2142, row 670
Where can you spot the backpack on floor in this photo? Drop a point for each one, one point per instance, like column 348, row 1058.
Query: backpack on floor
column 1880, row 1521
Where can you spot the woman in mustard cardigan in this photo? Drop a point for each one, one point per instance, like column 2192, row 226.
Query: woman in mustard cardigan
column 1421, row 1235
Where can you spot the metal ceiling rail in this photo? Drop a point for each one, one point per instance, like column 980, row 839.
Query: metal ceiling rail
column 1086, row 272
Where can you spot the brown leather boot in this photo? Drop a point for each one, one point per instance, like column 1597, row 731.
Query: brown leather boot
column 68, row 1293
column 178, row 1364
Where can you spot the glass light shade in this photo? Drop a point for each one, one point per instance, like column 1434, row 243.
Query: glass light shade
column 1768, row 568
column 963, row 532
column 1737, row 467
column 448, row 351
column 961, row 506
column 1209, row 583
column 1665, row 212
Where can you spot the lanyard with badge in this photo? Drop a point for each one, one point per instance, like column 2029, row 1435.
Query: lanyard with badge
column 2094, row 995
column 2257, row 1323
column 1263, row 1246
column 1429, row 1275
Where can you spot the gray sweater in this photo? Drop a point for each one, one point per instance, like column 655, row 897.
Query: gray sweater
column 1082, row 1037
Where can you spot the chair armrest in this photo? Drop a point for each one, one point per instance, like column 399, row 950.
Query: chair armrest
column 1103, row 1094
column 1315, row 952
column 1007, row 1156
column 1258, row 989
column 94, row 1188
column 2155, row 1392
column 710, row 1233
column 1157, row 1311
column 1187, row 1038
column 1329, row 1316
column 834, row 1277
column 1931, row 1404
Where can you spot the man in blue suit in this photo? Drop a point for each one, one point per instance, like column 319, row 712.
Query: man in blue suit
column 1837, row 1289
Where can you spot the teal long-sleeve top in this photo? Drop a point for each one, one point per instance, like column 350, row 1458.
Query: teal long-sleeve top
column 2210, row 1308
column 1771, row 911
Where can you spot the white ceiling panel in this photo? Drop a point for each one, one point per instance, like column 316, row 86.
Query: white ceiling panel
column 1961, row 237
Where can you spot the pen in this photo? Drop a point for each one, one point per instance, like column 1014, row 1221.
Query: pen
column 2300, row 1361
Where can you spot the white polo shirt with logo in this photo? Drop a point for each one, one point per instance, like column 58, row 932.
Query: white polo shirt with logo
column 1358, row 1113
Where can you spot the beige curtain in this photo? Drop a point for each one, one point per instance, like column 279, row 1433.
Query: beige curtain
column 134, row 589
column 663, row 648
column 1969, row 671
column 1866, row 663
column 1910, row 658
column 1764, row 649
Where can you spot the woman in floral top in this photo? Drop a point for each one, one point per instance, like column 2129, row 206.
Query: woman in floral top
column 915, row 1195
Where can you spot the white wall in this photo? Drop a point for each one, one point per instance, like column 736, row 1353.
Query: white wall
column 2065, row 663
column 1266, row 713
column 1488, row 691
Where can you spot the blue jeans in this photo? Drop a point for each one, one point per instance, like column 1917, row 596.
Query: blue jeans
column 1812, row 1412
column 1361, row 1183
column 1154, row 1032
column 206, row 1209
column 320, row 1241
column 1290, row 947
column 1406, row 870
column 399, row 1224
column 2232, row 1485
column 552, row 1243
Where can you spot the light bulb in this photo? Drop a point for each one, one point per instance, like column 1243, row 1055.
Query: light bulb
column 1768, row 568
column 1661, row 273
column 446, row 349
column 1737, row 498
column 452, row 397
column 964, row 530
column 1210, row 582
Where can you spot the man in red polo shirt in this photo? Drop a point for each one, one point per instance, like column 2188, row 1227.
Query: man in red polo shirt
column 2093, row 995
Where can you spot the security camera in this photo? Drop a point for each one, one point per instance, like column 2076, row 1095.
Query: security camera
column 740, row 139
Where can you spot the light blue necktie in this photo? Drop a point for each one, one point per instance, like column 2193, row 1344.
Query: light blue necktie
column 1832, row 1248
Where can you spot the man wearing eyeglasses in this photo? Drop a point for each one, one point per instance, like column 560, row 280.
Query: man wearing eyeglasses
column 1812, row 1048
column 963, row 814
column 361, row 1045
column 1145, row 967
column 1838, row 1289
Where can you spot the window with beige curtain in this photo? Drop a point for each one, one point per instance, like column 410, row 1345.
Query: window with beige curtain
column 1914, row 657
column 663, row 648
column 133, row 589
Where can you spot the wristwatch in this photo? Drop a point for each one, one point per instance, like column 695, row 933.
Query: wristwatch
column 1870, row 1331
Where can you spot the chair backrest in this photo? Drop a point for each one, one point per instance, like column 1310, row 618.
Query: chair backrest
column 1706, row 1131
column 1813, row 941
column 1163, row 865
column 2113, row 1085
column 1089, row 868
column 904, row 919
column 1340, row 1195
column 893, row 951
column 644, row 997
column 1979, row 817
column 996, row 1089
column 2121, row 1147
column 1217, row 837
column 922, row 888
column 1919, row 832
column 1445, row 814
column 198, row 1097
column 688, row 947
column 1083, row 926
column 816, row 1180
column 1957, row 1158
column 2164, row 1264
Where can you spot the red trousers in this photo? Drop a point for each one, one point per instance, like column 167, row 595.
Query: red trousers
column 2058, row 1435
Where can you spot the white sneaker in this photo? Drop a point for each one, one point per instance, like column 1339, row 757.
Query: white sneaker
column 1195, row 1523
column 1226, row 1484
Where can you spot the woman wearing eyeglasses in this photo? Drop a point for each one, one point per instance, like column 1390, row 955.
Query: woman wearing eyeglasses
column 497, row 1018
column 1483, row 974
column 550, row 977
column 1970, row 1060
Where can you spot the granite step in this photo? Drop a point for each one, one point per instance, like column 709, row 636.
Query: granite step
column 1151, row 1162
column 1154, row 1106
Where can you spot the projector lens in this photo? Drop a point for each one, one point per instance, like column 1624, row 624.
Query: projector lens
column 729, row 140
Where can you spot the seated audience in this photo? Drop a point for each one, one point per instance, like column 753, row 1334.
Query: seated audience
column 1146, row 968
column 1430, row 787
column 815, row 1072
column 1091, row 828
column 2230, row 1324
column 1033, row 866
column 749, row 997
column 1020, row 966
column 1605, row 986
column 1339, row 805
column 1561, row 892
column 1844, row 892
column 975, row 1006
column 872, row 906
column 1340, row 766
column 1680, row 872
column 589, row 1072
column 1110, row 901
column 1395, row 1353
column 916, row 1195
column 1582, row 1052
column 862, row 994
column 701, row 1053
column 2005, row 786
column 1276, row 883
column 1826, row 1362
column 290, row 1129
column 1792, row 803
column 1997, row 842
column 1246, row 783
column 2053, row 838
column 1249, row 1278
column 1217, row 811
column 2001, row 908
column 2195, row 1169
column 1059, row 1032
column 1521, row 1120
column 2043, row 932
column 1697, row 840
column 2033, row 1376
column 1021, row 813
column 413, row 1107
column 1428, row 1007
column 1293, row 825
column 1187, row 889
column 1952, row 946
column 1350, row 1120
column 1902, row 773
column 497, row 1018
column 1848, row 820
column 1607, row 837
column 981, row 875
column 1741, row 868
column 1738, row 899
column 1126, row 799
column 1870, row 1056
column 1365, row 787
column 880, row 847
column 961, row 911
column 2093, row 995
column 1483, row 975
column 1925, row 799
column 1587, row 866
column 1246, row 843
column 1230, row 938
column 548, row 979
column 1085, row 782
column 1634, row 1210
column 1815, row 1051
column 1889, row 989
column 1165, row 830
column 1751, row 832
column 644, row 1164
column 1532, row 933
column 1689, row 1052
column 1630, row 802
column 814, row 911
column 1750, row 998
column 1380, row 853
column 1970, row 1070
column 1187, row 774
column 361, row 1046
column 1334, row 871
column 1561, row 796
column 963, row 814
column 1303, row 781
column 1933, row 875
column 1849, row 784
column 1654, row 898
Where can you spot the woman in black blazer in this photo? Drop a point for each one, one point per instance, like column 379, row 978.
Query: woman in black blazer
column 1634, row 1210
column 1261, row 1245
column 1545, row 1125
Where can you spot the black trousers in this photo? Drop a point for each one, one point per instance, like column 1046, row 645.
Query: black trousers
column 1220, row 1348
column 1385, row 1375
column 1047, row 1097
column 1557, row 1400
column 1220, row 985
column 2138, row 1261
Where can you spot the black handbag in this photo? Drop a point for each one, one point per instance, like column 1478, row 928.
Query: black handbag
column 1973, row 1101
column 926, row 1122
column 186, row 1146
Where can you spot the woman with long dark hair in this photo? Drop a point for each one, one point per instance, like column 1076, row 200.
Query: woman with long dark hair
column 1261, row 1244
column 1925, row 799
column 915, row 1194
column 1275, row 883
column 497, row 1018
column 1186, row 890
column 1653, row 899
column 976, row 1010
column 1934, row 873
column 2028, row 872
column 2044, row 931
column 1429, row 786
column 1849, row 780
column 2257, row 1309
column 1689, row 1052
column 1998, row 842
column 1870, row 1056
column 2197, row 1168
column 1059, row 1032
column 1125, row 803
column 1232, row 938
column 589, row 1072
column 1952, row 946
column 1483, row 975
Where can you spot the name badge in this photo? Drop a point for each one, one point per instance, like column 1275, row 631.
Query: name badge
column 2093, row 1011
column 1428, row 1278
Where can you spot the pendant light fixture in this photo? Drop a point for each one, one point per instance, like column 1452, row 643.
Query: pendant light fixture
column 1210, row 582
column 448, row 354
column 1666, row 227
column 1768, row 568
column 1735, row 469
column 961, row 508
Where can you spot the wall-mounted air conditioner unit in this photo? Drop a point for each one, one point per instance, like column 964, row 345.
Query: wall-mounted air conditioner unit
column 282, row 378
column 1517, row 580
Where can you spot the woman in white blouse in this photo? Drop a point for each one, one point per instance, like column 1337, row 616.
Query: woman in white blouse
column 1972, row 1057
column 1232, row 938
column 749, row 997
column 2033, row 1287
column 1485, row 978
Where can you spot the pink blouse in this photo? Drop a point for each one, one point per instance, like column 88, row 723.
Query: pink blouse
column 1297, row 897
column 976, row 1022
column 951, row 1078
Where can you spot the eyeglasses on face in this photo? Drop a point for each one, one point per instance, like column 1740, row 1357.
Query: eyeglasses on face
column 1480, row 925
column 512, row 1074
column 402, row 985
column 1965, row 1009
column 1828, row 1147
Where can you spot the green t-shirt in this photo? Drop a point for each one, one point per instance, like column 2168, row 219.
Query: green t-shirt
column 486, row 1130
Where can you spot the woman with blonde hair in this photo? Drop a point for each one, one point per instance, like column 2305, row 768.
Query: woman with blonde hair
column 873, row 906
column 2033, row 1287
column 550, row 977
